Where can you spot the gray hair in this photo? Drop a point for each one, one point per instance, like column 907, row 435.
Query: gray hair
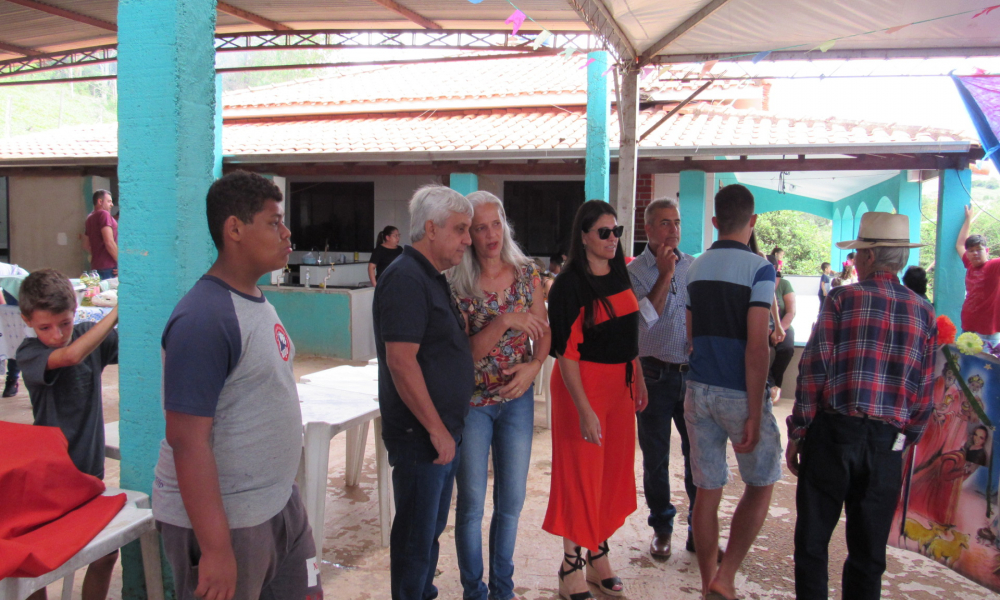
column 658, row 204
column 890, row 258
column 435, row 203
column 464, row 277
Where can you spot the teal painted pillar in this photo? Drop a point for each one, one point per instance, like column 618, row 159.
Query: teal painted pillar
column 464, row 183
column 598, row 182
column 949, row 273
column 692, row 209
column 167, row 155
column 909, row 205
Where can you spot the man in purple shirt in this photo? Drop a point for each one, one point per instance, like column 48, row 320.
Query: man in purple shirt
column 101, row 236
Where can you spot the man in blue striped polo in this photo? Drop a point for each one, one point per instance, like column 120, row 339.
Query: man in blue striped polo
column 730, row 290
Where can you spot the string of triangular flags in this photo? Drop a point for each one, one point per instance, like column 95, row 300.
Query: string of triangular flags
column 518, row 17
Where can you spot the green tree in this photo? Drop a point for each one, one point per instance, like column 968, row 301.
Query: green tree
column 805, row 239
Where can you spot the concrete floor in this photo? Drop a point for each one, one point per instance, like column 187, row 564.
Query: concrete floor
column 356, row 567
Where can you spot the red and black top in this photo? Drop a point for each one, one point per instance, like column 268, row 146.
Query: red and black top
column 612, row 339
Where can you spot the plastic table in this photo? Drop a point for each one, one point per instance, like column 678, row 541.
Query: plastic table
column 134, row 521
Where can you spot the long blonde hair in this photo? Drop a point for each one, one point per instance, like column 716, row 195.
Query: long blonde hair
column 464, row 277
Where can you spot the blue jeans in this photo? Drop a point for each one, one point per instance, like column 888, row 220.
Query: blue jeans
column 106, row 273
column 506, row 428
column 422, row 492
column 666, row 405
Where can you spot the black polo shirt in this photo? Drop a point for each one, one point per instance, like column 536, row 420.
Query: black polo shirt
column 413, row 303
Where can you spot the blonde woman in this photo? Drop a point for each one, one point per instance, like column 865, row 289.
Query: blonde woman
column 499, row 290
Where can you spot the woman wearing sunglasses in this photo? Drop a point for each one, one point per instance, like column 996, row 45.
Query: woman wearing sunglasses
column 593, row 316
column 500, row 291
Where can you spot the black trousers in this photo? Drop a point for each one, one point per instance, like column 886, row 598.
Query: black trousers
column 846, row 462
column 783, row 353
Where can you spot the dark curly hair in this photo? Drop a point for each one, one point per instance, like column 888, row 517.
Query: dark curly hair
column 240, row 194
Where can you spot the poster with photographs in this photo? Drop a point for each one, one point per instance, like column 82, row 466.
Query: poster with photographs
column 948, row 507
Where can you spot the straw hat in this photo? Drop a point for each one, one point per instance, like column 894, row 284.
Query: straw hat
column 881, row 229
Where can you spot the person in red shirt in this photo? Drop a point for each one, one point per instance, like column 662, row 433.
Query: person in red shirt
column 981, row 309
column 101, row 236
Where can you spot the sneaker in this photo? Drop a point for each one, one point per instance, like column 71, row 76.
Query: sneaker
column 10, row 390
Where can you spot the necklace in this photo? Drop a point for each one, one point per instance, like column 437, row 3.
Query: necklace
column 498, row 274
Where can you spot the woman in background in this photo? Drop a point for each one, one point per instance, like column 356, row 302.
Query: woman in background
column 386, row 250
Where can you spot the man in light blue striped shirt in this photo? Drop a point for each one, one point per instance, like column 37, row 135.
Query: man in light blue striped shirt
column 659, row 280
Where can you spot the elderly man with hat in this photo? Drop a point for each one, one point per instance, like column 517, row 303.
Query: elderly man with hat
column 864, row 394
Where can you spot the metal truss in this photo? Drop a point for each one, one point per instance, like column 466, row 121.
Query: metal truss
column 424, row 39
column 59, row 60
column 583, row 41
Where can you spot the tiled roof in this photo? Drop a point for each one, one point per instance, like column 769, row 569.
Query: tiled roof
column 470, row 80
column 510, row 129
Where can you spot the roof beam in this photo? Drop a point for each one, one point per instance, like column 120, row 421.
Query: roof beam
column 246, row 15
column 409, row 14
column 23, row 51
column 703, row 13
column 833, row 54
column 66, row 14
column 600, row 20
column 863, row 162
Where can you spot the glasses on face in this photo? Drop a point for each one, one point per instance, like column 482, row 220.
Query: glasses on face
column 606, row 232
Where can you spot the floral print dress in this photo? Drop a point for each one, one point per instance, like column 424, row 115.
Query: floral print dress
column 513, row 347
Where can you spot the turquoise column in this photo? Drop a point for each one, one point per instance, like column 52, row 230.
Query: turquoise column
column 692, row 209
column 167, row 155
column 598, row 182
column 949, row 273
column 909, row 205
column 464, row 183
column 834, row 238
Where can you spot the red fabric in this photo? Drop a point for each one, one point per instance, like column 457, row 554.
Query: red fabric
column 49, row 510
column 593, row 487
column 981, row 309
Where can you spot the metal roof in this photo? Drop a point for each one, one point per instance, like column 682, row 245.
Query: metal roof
column 658, row 30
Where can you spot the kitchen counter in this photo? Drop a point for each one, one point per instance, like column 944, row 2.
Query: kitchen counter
column 335, row 321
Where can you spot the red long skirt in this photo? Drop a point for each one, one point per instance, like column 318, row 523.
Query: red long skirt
column 593, row 487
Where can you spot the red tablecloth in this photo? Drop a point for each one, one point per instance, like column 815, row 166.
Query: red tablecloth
column 49, row 510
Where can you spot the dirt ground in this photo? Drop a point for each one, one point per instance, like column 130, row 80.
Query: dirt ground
column 356, row 567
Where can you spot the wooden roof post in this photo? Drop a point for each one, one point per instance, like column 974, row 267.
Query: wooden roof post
column 628, row 113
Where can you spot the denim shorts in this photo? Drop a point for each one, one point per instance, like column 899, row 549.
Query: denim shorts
column 714, row 414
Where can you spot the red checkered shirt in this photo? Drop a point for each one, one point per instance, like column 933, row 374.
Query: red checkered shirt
column 872, row 352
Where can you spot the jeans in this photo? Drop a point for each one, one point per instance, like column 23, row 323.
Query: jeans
column 106, row 273
column 422, row 493
column 13, row 371
column 506, row 428
column 845, row 462
column 666, row 404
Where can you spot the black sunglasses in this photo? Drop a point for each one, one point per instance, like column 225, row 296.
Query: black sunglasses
column 605, row 232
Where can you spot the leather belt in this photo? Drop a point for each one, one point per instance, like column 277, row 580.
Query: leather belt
column 669, row 367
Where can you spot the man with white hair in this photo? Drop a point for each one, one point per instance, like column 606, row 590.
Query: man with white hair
column 426, row 377
column 863, row 395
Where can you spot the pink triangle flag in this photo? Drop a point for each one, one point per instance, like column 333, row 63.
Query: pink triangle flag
column 986, row 11
column 587, row 64
column 516, row 19
column 896, row 28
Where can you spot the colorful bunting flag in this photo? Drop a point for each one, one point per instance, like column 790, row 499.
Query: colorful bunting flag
column 608, row 70
column 647, row 70
column 587, row 64
column 707, row 67
column 986, row 11
column 825, row 45
column 896, row 28
column 760, row 56
column 540, row 39
column 475, row 1
column 568, row 53
column 515, row 20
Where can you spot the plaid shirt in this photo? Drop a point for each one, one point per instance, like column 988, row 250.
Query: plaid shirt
column 871, row 352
